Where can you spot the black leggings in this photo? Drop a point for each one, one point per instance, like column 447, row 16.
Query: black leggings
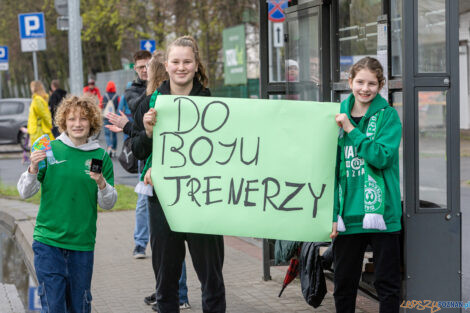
column 168, row 252
column 348, row 253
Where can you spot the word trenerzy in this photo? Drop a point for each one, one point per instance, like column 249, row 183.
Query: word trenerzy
column 198, row 152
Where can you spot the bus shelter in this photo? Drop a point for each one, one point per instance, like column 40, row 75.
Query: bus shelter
column 417, row 42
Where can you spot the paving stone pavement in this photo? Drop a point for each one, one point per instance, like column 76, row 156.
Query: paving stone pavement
column 10, row 300
column 120, row 282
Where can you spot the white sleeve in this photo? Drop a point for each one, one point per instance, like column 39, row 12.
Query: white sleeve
column 107, row 197
column 28, row 185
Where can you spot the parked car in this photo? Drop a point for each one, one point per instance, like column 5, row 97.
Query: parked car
column 13, row 115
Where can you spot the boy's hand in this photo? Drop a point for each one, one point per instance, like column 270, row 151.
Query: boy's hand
column 36, row 157
column 99, row 179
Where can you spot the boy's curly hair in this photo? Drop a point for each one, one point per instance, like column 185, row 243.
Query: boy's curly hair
column 87, row 107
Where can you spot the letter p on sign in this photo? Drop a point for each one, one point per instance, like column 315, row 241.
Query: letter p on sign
column 31, row 24
column 2, row 53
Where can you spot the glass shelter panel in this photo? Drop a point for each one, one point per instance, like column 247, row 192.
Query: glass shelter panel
column 357, row 31
column 431, row 36
column 432, row 148
column 303, row 48
column 396, row 22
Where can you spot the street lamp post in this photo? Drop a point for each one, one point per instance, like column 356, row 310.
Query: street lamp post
column 75, row 48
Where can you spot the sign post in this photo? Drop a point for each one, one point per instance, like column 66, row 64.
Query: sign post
column 3, row 64
column 276, row 17
column 75, row 47
column 147, row 44
column 33, row 35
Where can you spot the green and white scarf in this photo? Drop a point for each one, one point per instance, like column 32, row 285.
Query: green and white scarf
column 374, row 185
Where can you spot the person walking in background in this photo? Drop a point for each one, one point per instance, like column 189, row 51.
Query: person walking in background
column 39, row 119
column 71, row 187
column 92, row 90
column 367, row 206
column 110, row 104
column 186, row 77
column 56, row 97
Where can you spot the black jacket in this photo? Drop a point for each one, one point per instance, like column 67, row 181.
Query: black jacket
column 135, row 93
column 141, row 144
column 55, row 100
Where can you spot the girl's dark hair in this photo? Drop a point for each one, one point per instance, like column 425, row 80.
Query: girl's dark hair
column 371, row 64
column 189, row 41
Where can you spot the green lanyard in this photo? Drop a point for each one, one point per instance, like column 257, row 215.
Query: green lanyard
column 148, row 162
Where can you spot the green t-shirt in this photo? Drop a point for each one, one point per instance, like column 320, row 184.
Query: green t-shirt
column 68, row 209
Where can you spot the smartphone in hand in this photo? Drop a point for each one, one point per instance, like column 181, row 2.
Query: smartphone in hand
column 96, row 165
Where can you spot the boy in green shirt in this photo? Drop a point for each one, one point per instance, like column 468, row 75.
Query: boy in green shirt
column 65, row 231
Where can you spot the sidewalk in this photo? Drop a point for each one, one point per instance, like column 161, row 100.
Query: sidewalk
column 120, row 282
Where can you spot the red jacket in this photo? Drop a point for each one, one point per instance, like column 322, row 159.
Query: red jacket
column 94, row 92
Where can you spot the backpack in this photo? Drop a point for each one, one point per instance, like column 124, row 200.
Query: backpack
column 109, row 108
column 127, row 159
column 312, row 278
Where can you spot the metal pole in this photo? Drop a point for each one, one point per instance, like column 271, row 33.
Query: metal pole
column 266, row 261
column 278, row 59
column 75, row 48
column 1, row 74
column 35, row 65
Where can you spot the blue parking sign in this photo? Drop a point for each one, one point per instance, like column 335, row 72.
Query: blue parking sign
column 3, row 58
column 3, row 54
column 147, row 44
column 32, row 25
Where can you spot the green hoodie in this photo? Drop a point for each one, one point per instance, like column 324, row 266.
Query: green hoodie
column 381, row 153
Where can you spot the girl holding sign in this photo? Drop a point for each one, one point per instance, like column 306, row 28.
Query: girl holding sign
column 186, row 77
column 367, row 194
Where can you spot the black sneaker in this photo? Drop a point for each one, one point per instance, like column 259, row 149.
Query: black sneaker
column 154, row 307
column 151, row 300
column 139, row 252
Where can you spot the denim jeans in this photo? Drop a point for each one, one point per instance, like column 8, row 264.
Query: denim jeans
column 141, row 229
column 64, row 278
column 111, row 138
column 183, row 288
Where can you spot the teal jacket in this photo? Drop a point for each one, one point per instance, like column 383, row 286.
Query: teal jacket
column 381, row 153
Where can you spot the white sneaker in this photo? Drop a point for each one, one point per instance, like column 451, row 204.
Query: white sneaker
column 185, row 306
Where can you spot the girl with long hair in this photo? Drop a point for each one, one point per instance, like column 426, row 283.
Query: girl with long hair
column 39, row 119
column 186, row 77
column 367, row 195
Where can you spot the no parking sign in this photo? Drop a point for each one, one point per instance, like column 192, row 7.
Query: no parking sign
column 276, row 10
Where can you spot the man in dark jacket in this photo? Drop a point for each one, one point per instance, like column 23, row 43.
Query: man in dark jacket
column 136, row 92
column 133, row 95
column 56, row 97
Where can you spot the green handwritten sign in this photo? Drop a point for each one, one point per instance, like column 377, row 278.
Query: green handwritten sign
column 245, row 167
